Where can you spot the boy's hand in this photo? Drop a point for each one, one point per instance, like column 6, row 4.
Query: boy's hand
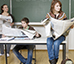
column 37, row 35
column 3, row 36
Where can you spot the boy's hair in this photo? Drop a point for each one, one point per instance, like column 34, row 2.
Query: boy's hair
column 53, row 4
column 25, row 20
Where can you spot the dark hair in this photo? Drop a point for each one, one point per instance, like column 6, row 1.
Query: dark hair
column 25, row 20
column 2, row 8
column 53, row 4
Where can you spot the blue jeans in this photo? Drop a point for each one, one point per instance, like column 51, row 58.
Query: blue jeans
column 20, row 57
column 53, row 47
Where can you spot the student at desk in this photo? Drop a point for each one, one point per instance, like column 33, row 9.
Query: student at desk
column 53, row 45
column 5, row 15
column 25, row 25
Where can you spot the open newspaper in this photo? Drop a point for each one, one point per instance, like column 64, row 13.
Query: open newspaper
column 7, row 20
column 7, row 31
column 2, row 21
column 59, row 26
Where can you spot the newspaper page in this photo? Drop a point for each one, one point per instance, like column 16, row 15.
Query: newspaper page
column 58, row 26
column 7, row 31
column 2, row 21
column 7, row 20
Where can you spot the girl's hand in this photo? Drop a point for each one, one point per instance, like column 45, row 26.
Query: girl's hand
column 11, row 24
column 72, row 26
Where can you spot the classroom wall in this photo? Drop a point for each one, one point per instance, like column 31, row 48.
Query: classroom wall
column 35, row 10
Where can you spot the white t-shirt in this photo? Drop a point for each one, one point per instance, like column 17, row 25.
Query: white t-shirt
column 8, row 20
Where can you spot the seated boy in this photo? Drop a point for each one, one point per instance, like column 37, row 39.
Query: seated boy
column 25, row 25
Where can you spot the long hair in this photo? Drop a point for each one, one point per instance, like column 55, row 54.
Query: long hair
column 2, row 8
column 53, row 4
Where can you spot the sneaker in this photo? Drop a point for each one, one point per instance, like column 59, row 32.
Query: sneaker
column 1, row 54
column 8, row 55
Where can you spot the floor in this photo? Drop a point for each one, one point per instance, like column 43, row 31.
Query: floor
column 41, row 57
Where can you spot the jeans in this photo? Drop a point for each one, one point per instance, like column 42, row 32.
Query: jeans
column 20, row 57
column 53, row 47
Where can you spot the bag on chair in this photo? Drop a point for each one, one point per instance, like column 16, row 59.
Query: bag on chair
column 67, row 61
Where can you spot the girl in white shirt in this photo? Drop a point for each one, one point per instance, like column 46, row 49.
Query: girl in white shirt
column 5, row 15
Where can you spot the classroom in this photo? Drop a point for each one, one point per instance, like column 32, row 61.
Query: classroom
column 35, row 11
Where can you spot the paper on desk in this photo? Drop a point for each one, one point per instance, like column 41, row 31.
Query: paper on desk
column 59, row 27
column 6, row 38
column 7, row 31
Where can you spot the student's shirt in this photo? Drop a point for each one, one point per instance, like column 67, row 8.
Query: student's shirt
column 60, row 16
column 9, row 18
column 10, row 15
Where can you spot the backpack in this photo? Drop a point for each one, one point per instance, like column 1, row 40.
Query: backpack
column 67, row 61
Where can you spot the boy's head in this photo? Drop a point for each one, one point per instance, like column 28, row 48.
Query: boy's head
column 25, row 22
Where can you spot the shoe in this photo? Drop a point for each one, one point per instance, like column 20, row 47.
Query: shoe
column 52, row 61
column 23, row 63
column 8, row 55
column 1, row 54
column 56, row 60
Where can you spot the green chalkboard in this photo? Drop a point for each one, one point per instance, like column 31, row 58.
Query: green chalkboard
column 4, row 2
column 72, row 8
column 35, row 10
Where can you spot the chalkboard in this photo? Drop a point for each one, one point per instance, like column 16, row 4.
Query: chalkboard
column 72, row 8
column 35, row 10
column 4, row 2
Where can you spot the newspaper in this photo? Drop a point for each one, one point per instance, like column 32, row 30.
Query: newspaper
column 6, row 38
column 7, row 20
column 59, row 27
column 7, row 31
column 2, row 21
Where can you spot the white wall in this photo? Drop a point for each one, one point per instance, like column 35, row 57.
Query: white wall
column 71, row 39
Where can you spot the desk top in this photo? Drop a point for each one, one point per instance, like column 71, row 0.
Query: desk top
column 34, row 41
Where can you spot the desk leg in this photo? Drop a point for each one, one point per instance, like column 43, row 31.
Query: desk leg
column 64, row 51
column 5, row 54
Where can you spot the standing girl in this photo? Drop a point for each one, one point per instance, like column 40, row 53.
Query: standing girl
column 5, row 15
